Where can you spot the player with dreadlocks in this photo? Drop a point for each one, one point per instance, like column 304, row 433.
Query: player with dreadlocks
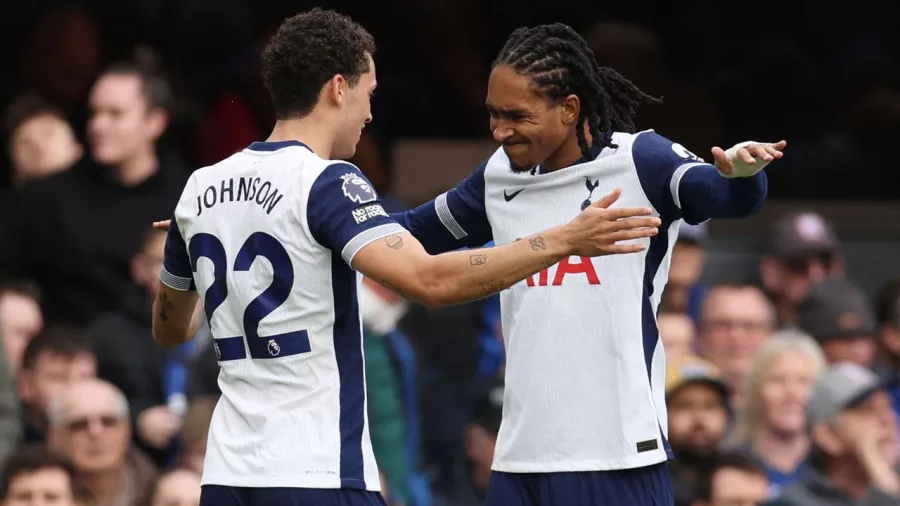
column 584, row 415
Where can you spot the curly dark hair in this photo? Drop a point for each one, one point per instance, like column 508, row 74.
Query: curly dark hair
column 306, row 52
column 560, row 63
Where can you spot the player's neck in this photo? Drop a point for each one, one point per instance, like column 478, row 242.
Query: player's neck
column 311, row 131
column 568, row 154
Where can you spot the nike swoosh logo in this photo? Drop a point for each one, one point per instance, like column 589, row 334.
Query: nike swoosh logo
column 510, row 196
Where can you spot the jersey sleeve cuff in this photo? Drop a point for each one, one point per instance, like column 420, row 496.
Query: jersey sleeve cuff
column 675, row 182
column 364, row 238
column 175, row 282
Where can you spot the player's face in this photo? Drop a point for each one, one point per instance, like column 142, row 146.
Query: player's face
column 530, row 127
column 357, row 113
column 121, row 125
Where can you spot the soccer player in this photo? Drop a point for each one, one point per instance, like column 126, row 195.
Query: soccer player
column 272, row 238
column 584, row 415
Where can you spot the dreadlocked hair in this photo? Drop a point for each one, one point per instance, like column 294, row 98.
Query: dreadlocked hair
column 560, row 63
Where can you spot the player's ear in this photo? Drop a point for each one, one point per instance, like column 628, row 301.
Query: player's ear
column 570, row 108
column 337, row 88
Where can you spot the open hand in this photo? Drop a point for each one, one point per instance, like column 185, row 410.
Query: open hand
column 597, row 230
column 767, row 152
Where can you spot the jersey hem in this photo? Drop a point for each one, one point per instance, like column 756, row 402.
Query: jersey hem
column 285, row 482
column 650, row 459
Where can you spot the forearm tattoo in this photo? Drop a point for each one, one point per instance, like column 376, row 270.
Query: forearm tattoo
column 493, row 286
column 165, row 305
column 478, row 259
column 537, row 243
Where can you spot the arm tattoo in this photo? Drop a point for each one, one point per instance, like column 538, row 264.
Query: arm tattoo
column 165, row 305
column 478, row 259
column 537, row 243
column 394, row 241
column 492, row 286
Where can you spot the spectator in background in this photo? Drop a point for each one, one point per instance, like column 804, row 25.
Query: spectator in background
column 35, row 476
column 155, row 381
column 803, row 252
column 697, row 400
column 682, row 293
column 61, row 58
column 838, row 315
column 195, row 431
column 855, row 443
column 20, row 320
column 179, row 487
column 392, row 388
column 41, row 141
column 97, row 213
column 735, row 479
column 479, row 440
column 53, row 360
column 771, row 422
column 89, row 425
column 734, row 321
column 676, row 330
column 887, row 313
column 10, row 409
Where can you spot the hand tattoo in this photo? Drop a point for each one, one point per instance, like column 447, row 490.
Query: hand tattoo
column 537, row 243
column 478, row 259
column 165, row 305
column 394, row 241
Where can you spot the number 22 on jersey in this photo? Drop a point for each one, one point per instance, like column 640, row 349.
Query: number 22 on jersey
column 259, row 244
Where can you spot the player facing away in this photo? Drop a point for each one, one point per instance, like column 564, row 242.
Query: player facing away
column 272, row 238
column 584, row 415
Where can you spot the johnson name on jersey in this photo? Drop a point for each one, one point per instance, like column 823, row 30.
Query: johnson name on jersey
column 267, row 237
column 585, row 367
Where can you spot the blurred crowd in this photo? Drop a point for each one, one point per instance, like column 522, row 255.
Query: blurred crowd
column 779, row 389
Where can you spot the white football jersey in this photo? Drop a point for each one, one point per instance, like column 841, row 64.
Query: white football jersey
column 266, row 237
column 585, row 368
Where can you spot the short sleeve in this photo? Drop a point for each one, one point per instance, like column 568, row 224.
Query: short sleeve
column 454, row 219
column 176, row 272
column 661, row 164
column 344, row 213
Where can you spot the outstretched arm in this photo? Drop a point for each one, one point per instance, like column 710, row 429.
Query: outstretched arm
column 453, row 220
column 371, row 242
column 401, row 263
column 681, row 185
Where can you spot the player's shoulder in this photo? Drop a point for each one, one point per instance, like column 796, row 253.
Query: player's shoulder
column 649, row 148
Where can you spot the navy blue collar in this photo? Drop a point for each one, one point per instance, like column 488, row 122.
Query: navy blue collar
column 275, row 146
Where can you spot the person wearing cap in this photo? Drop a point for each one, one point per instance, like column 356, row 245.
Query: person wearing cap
column 804, row 250
column 855, row 443
column 838, row 315
column 697, row 400
column 683, row 294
